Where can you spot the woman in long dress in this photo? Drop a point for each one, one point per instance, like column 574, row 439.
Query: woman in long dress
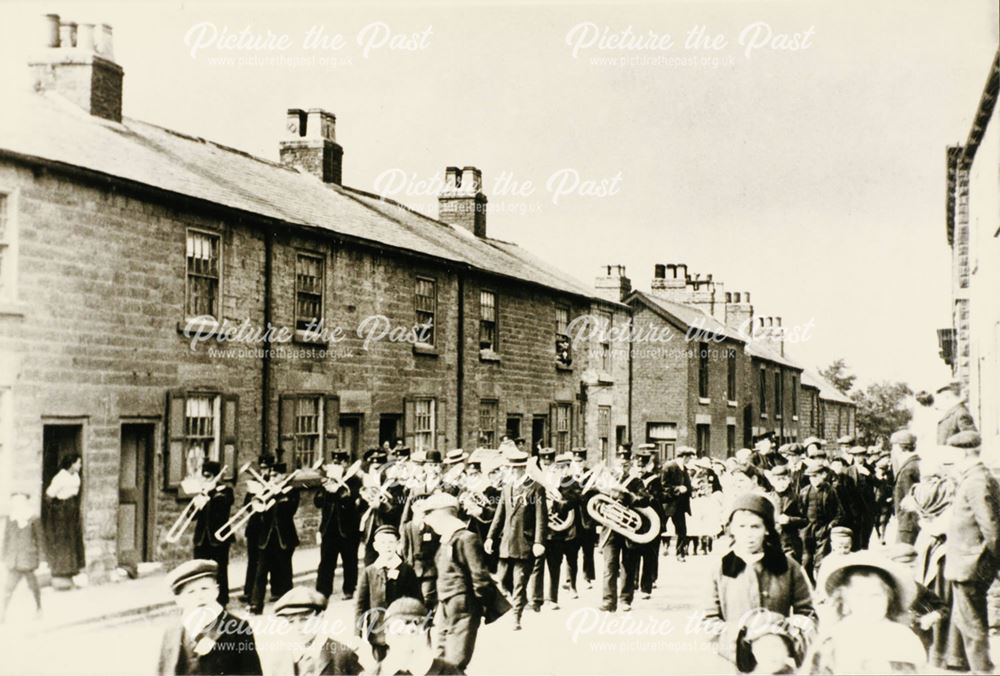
column 63, row 531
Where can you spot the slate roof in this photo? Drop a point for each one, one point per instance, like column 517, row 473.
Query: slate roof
column 687, row 315
column 826, row 390
column 47, row 127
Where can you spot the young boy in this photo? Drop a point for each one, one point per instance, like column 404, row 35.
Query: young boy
column 308, row 648
column 22, row 545
column 207, row 640
column 388, row 578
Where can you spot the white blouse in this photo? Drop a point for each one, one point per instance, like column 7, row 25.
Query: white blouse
column 64, row 486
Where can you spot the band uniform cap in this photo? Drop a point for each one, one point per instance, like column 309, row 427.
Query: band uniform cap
column 376, row 455
column 388, row 528
column 643, row 452
column 564, row 458
column 623, row 453
column 546, row 452
column 406, row 607
column 841, row 531
column 685, row 451
column 515, row 458
column 455, row 456
column 966, row 439
column 579, row 452
column 340, row 455
column 300, row 600
column 439, row 501
column 902, row 552
column 900, row 576
column 190, row 571
column 419, row 458
column 211, row 467
column 280, row 467
column 778, row 470
column 903, row 438
column 402, row 451
column 646, row 447
column 266, row 460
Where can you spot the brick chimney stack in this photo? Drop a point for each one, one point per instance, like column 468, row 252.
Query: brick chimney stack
column 311, row 145
column 771, row 333
column 739, row 312
column 78, row 62
column 462, row 201
column 670, row 282
column 612, row 283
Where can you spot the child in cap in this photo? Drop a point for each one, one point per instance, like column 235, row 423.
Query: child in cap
column 408, row 642
column 22, row 547
column 307, row 647
column 841, row 541
column 870, row 595
column 207, row 640
column 388, row 578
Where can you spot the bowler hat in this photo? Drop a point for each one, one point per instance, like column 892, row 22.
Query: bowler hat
column 190, row 571
column 433, row 457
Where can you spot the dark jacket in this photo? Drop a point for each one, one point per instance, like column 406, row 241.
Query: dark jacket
column 907, row 521
column 213, row 516
column 376, row 591
column 462, row 571
column 418, row 546
column 278, row 523
column 973, row 540
column 787, row 503
column 22, row 546
column 826, row 509
column 340, row 514
column 234, row 650
column 958, row 419
column 673, row 477
column 520, row 520
column 776, row 583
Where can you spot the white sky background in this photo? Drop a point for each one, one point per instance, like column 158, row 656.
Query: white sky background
column 815, row 179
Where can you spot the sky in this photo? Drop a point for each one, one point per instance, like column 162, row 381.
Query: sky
column 795, row 150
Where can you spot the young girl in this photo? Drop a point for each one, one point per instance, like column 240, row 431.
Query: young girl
column 22, row 546
column 870, row 594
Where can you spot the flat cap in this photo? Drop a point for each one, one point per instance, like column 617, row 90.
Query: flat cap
column 300, row 600
column 778, row 470
column 966, row 439
column 954, row 387
column 388, row 528
column 685, row 450
column 406, row 607
column 841, row 531
column 812, row 441
column 190, row 571
column 439, row 501
column 901, row 552
column 792, row 449
column 846, row 439
column 816, row 468
column 903, row 438
column 858, row 450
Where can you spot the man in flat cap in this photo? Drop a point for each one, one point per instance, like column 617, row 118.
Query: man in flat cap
column 823, row 512
column 904, row 452
column 676, row 490
column 519, row 523
column 864, row 484
column 955, row 416
column 386, row 579
column 973, row 550
column 306, row 647
column 764, row 456
column 467, row 594
column 788, row 511
column 207, row 639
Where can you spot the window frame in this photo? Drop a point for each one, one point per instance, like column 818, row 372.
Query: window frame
column 431, row 431
column 189, row 230
column 562, row 438
column 432, row 312
column 732, row 392
column 704, row 391
column 762, row 390
column 8, row 245
column 604, row 427
column 488, row 433
column 494, row 346
column 321, row 260
column 779, row 394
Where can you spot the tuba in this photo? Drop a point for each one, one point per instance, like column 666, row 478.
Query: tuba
column 553, row 496
column 638, row 524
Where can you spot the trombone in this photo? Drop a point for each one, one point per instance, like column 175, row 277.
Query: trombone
column 267, row 495
column 191, row 510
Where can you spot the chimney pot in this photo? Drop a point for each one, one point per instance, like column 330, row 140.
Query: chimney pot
column 105, row 42
column 660, row 270
column 311, row 146
column 472, row 180
column 321, row 125
column 462, row 202
column 683, row 266
column 67, row 34
column 51, row 30
column 85, row 37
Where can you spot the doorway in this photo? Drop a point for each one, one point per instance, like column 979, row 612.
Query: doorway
column 134, row 500
column 539, row 425
column 389, row 428
column 350, row 434
column 58, row 441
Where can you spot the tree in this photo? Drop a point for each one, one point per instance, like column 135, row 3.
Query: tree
column 881, row 410
column 838, row 376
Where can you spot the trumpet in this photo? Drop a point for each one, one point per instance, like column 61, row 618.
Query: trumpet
column 334, row 484
column 267, row 495
column 191, row 510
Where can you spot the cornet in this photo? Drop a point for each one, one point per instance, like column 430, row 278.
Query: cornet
column 191, row 510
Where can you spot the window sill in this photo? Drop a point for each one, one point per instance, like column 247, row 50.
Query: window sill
column 564, row 367
column 605, row 378
column 13, row 308
column 489, row 355
column 425, row 350
column 199, row 327
column 308, row 338
column 704, row 400
column 732, row 404
column 777, row 417
column 795, row 418
column 763, row 416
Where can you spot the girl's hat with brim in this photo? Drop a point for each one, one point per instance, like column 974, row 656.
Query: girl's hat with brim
column 900, row 576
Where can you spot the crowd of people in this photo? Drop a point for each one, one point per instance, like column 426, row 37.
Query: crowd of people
column 848, row 559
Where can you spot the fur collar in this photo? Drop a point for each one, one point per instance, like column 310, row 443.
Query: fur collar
column 774, row 562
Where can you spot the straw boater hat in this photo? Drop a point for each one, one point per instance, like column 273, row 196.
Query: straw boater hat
column 900, row 576
column 516, row 458
column 455, row 456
